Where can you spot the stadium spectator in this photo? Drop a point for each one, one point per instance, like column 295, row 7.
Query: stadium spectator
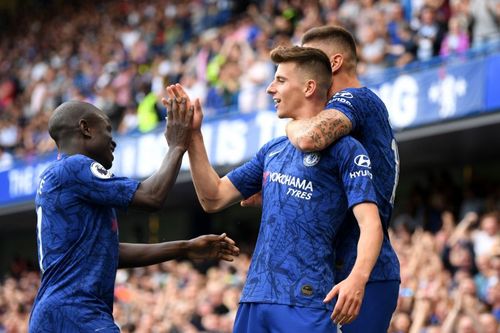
column 372, row 53
column 487, row 236
column 456, row 40
column 485, row 15
column 428, row 34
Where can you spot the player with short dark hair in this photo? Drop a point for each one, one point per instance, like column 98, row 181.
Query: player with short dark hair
column 356, row 110
column 77, row 230
column 306, row 198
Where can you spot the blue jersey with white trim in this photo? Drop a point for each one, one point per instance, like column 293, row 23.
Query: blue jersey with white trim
column 306, row 197
column 370, row 125
column 77, row 240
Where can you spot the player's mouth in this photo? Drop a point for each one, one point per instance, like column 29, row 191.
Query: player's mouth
column 112, row 149
column 277, row 101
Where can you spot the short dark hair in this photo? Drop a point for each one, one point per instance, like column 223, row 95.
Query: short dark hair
column 311, row 60
column 338, row 37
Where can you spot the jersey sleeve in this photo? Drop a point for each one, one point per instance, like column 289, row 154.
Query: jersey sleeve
column 355, row 171
column 93, row 183
column 248, row 177
column 343, row 101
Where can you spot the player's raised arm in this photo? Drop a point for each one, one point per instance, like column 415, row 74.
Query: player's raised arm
column 214, row 193
column 201, row 248
column 152, row 193
column 318, row 132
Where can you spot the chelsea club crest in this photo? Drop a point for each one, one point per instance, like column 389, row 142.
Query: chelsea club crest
column 311, row 159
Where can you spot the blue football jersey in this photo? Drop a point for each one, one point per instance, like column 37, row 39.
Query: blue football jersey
column 77, row 238
column 306, row 197
column 370, row 125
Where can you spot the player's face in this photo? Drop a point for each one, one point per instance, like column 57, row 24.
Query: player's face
column 102, row 145
column 287, row 90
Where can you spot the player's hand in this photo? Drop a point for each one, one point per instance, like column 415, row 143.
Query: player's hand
column 350, row 294
column 177, row 91
column 212, row 247
column 179, row 119
column 197, row 116
column 253, row 201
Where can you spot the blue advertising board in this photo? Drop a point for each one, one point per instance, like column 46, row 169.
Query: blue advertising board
column 438, row 94
column 492, row 83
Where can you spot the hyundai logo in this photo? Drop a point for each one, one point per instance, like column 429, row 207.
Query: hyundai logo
column 363, row 161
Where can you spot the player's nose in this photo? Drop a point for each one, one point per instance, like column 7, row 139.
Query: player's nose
column 270, row 89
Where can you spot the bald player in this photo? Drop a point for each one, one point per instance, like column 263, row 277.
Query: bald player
column 77, row 230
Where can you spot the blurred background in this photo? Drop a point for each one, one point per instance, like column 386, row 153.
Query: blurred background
column 435, row 64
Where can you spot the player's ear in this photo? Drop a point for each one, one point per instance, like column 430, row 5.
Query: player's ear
column 309, row 88
column 83, row 125
column 336, row 61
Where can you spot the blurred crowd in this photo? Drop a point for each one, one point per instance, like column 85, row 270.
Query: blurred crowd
column 120, row 54
column 448, row 247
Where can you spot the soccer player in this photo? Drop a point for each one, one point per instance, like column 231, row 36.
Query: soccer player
column 355, row 110
column 77, row 229
column 306, row 198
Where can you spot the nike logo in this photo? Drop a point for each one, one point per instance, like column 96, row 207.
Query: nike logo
column 275, row 153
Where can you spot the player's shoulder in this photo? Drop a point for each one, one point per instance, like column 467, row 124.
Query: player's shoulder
column 275, row 143
column 84, row 166
column 76, row 159
column 354, row 94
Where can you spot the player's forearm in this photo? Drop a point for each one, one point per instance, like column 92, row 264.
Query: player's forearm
column 138, row 255
column 205, row 179
column 318, row 132
column 370, row 239
column 153, row 191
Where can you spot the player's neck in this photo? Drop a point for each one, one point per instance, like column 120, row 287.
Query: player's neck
column 309, row 110
column 69, row 150
column 343, row 81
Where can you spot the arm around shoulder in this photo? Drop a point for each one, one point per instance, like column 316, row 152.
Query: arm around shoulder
column 318, row 132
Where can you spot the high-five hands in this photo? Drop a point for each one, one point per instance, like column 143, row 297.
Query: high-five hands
column 177, row 93
column 179, row 122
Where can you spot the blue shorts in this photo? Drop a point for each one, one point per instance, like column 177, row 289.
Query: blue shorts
column 378, row 305
column 278, row 318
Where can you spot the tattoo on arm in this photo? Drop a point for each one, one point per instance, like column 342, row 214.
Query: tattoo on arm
column 327, row 130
